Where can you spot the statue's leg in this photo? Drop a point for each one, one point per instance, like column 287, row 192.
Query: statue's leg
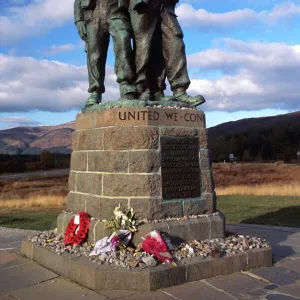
column 175, row 58
column 174, row 50
column 156, row 70
column 97, row 47
column 120, row 30
column 143, row 26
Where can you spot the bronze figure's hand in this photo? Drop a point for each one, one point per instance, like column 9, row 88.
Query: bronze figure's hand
column 82, row 30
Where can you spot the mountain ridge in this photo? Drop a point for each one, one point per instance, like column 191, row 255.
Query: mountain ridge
column 249, row 124
column 32, row 140
column 58, row 139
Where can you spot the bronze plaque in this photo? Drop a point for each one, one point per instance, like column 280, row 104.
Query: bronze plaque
column 180, row 167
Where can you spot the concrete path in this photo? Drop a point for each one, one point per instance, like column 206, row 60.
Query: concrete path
column 35, row 174
column 25, row 280
column 11, row 238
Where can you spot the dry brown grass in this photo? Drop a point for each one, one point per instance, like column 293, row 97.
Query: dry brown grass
column 44, row 192
column 230, row 179
column 267, row 189
column 39, row 201
column 257, row 179
column 245, row 174
column 34, row 188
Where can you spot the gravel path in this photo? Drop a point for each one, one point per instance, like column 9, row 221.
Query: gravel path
column 11, row 238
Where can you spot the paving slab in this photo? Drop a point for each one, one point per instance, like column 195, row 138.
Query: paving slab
column 293, row 289
column 280, row 297
column 291, row 265
column 116, row 294
column 11, row 243
column 9, row 259
column 281, row 239
column 159, row 295
column 278, row 275
column 292, row 245
column 11, row 238
column 21, row 276
column 283, row 252
column 197, row 291
column 59, row 289
column 239, row 285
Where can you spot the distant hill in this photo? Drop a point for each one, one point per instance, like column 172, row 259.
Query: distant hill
column 253, row 124
column 32, row 140
column 267, row 138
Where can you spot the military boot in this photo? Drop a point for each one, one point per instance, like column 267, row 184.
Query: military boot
column 160, row 96
column 94, row 98
column 143, row 93
column 128, row 92
column 145, row 96
column 181, row 95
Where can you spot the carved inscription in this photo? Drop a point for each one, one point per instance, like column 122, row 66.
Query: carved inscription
column 162, row 116
column 180, row 168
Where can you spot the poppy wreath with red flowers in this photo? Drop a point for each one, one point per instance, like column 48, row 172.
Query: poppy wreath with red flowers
column 77, row 234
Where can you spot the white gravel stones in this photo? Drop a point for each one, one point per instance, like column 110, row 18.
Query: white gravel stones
column 145, row 221
column 183, row 218
column 149, row 261
column 131, row 258
column 216, row 248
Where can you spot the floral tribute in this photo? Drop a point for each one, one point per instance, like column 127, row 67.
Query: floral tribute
column 77, row 230
column 122, row 220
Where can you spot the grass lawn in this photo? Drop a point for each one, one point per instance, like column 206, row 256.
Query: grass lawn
column 30, row 219
column 266, row 210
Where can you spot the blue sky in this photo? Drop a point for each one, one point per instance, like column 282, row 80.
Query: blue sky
column 243, row 56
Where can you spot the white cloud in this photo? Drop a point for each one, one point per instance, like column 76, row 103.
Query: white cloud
column 34, row 19
column 256, row 76
column 203, row 19
column 56, row 49
column 18, row 121
column 27, row 84
column 41, row 16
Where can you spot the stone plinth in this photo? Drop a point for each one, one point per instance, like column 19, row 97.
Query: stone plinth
column 156, row 161
column 102, row 277
column 135, row 157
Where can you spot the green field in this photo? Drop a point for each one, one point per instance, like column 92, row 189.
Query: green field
column 266, row 210
column 34, row 220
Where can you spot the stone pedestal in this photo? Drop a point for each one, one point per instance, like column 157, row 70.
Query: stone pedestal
column 154, row 160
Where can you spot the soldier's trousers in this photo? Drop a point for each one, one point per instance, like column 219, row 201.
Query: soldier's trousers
column 146, row 27
column 107, row 19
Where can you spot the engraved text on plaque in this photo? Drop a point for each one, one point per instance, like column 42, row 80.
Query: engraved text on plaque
column 180, row 168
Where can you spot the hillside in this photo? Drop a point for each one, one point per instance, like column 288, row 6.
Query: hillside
column 267, row 138
column 31, row 140
column 257, row 139
column 253, row 124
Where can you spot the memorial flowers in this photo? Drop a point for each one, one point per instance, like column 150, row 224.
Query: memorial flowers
column 122, row 220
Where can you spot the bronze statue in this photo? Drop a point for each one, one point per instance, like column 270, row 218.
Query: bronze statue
column 158, row 46
column 152, row 17
column 96, row 20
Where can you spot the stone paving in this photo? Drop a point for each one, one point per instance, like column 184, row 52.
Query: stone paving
column 25, row 280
